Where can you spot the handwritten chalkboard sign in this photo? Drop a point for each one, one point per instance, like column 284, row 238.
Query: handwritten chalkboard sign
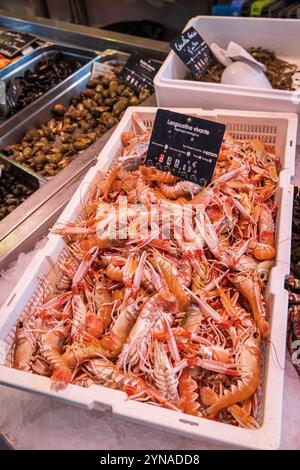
column 12, row 42
column 193, row 51
column 139, row 72
column 187, row 146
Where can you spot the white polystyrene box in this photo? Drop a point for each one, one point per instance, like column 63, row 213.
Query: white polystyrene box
column 279, row 35
column 278, row 130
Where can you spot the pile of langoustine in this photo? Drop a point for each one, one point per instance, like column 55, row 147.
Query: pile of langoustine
column 173, row 321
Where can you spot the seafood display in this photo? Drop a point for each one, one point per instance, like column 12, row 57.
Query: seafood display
column 279, row 72
column 13, row 191
column 293, row 285
column 51, row 147
column 160, row 291
column 23, row 90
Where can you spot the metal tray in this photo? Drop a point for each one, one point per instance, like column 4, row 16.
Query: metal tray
column 28, row 177
column 30, row 61
column 38, row 112
column 47, row 51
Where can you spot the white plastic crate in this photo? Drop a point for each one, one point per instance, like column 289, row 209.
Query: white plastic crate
column 278, row 130
column 279, row 35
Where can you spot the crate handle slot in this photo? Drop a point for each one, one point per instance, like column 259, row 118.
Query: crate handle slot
column 11, row 299
column 186, row 421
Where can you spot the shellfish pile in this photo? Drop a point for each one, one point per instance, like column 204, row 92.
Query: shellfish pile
column 174, row 320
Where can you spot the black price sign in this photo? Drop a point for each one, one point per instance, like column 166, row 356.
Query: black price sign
column 193, row 51
column 12, row 42
column 139, row 72
column 187, row 146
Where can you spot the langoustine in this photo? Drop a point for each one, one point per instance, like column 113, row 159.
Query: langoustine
column 175, row 320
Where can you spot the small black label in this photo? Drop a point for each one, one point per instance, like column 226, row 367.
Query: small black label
column 193, row 51
column 187, row 146
column 12, row 42
column 139, row 72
